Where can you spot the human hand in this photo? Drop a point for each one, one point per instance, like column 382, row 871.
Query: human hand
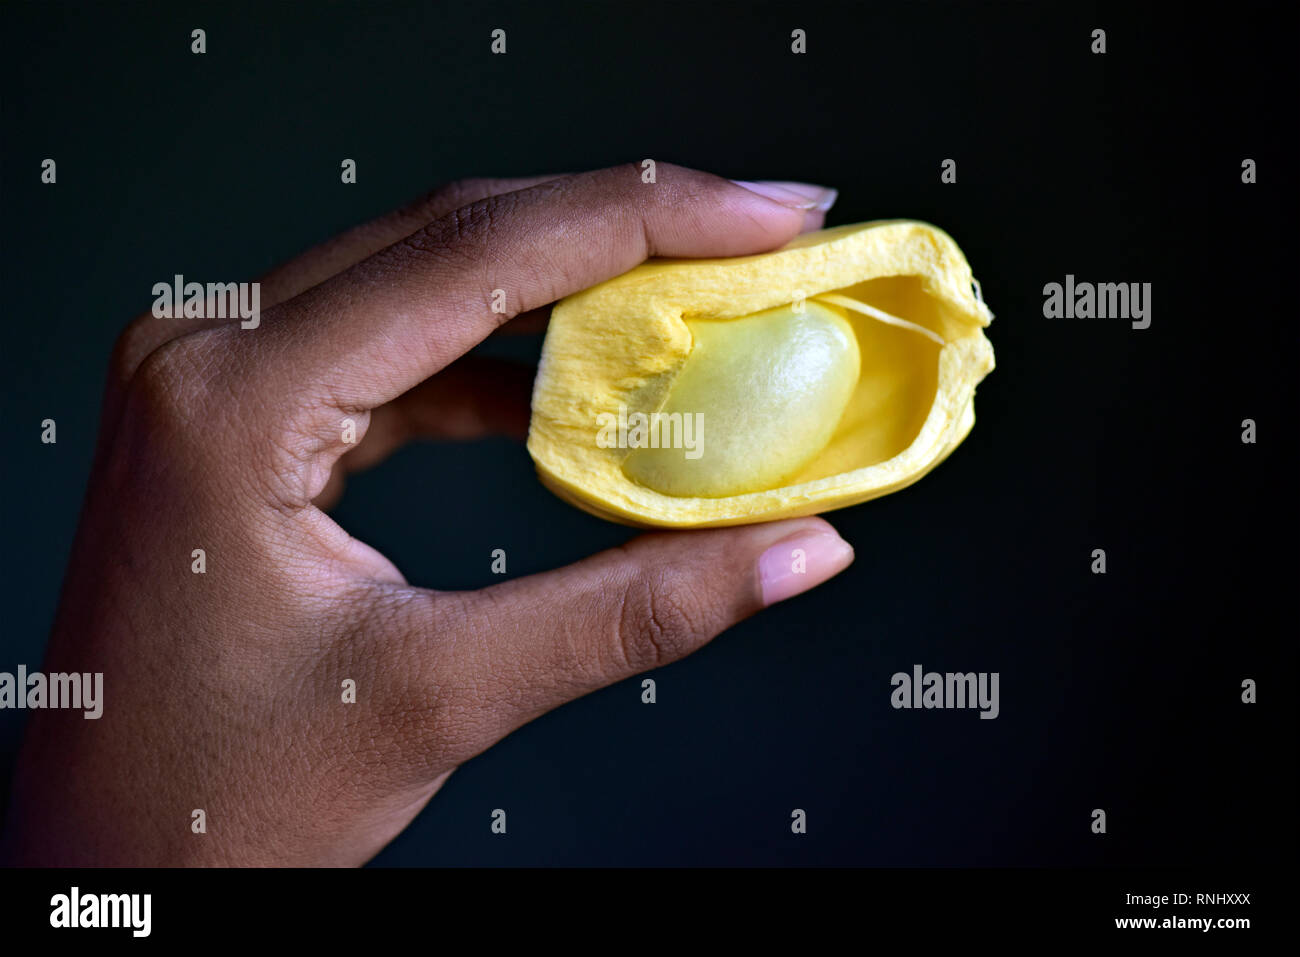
column 222, row 690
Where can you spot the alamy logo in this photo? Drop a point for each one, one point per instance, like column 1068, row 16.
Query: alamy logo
column 56, row 690
column 75, row 909
column 949, row 690
column 1103, row 300
column 217, row 300
column 658, row 430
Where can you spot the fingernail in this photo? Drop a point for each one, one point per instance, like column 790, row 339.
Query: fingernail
column 801, row 562
column 794, row 195
column 812, row 221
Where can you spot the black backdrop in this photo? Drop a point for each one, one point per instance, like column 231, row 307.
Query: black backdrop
column 1119, row 691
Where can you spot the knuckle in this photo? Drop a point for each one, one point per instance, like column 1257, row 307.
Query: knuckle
column 471, row 223
column 148, row 334
column 453, row 195
column 655, row 623
column 453, row 235
column 467, row 243
column 140, row 337
column 172, row 377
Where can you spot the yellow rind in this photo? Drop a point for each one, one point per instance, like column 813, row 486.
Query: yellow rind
column 634, row 324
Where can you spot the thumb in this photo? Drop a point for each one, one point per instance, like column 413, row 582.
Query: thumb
column 549, row 638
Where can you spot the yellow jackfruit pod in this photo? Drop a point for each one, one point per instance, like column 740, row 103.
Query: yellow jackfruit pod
column 707, row 392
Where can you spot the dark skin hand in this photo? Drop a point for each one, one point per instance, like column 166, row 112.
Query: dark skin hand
column 222, row 690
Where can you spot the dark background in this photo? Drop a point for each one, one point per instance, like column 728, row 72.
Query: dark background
column 1119, row 691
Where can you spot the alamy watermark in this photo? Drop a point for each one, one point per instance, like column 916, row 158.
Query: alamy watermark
column 56, row 690
column 217, row 300
column 948, row 690
column 1102, row 300
column 655, row 430
column 75, row 909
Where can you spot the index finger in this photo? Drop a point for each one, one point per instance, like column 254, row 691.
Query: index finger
column 376, row 330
